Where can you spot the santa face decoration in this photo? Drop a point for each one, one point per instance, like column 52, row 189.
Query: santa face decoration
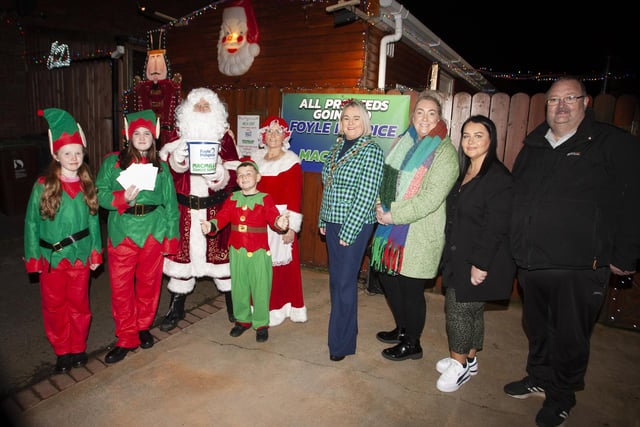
column 237, row 44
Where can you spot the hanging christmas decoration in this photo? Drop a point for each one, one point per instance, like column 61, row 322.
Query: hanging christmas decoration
column 59, row 56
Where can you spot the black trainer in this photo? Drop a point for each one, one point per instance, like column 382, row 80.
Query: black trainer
column 523, row 389
column 551, row 417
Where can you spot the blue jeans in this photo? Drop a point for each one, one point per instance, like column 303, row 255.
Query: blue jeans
column 344, row 267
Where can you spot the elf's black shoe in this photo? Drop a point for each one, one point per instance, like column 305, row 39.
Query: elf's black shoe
column 146, row 339
column 78, row 360
column 117, row 354
column 237, row 330
column 64, row 363
column 262, row 334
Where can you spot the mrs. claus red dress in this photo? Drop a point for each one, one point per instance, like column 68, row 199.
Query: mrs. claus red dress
column 282, row 179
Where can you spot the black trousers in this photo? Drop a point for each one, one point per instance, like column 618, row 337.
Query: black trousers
column 405, row 296
column 560, row 309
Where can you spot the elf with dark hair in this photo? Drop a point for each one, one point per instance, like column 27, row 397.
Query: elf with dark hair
column 249, row 212
column 142, row 228
column 62, row 240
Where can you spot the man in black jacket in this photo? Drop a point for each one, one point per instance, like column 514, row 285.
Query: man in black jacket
column 574, row 222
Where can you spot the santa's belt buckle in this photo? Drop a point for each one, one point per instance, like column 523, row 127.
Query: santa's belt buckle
column 194, row 202
column 242, row 228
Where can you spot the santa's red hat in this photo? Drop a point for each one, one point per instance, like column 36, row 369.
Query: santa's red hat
column 242, row 10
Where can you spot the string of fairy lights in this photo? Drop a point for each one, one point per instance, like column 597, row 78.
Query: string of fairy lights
column 75, row 55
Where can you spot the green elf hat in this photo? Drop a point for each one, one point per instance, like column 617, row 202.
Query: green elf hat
column 246, row 161
column 63, row 129
column 146, row 119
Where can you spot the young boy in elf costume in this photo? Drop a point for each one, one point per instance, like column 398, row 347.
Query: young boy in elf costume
column 62, row 240
column 250, row 213
column 142, row 228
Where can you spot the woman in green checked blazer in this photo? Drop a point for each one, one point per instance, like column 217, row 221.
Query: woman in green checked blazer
column 351, row 181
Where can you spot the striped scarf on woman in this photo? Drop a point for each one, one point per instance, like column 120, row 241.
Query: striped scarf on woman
column 404, row 169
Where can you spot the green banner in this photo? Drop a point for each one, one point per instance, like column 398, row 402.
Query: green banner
column 313, row 121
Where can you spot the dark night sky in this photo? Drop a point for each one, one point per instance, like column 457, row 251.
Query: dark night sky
column 536, row 40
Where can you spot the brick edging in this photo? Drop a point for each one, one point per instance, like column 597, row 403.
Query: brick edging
column 33, row 394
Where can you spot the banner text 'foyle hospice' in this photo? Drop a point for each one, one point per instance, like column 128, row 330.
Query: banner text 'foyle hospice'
column 314, row 122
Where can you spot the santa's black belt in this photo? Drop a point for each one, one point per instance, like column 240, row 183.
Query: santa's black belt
column 195, row 202
column 140, row 210
column 66, row 241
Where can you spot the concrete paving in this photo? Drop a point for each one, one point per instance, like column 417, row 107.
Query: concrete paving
column 203, row 377
column 200, row 376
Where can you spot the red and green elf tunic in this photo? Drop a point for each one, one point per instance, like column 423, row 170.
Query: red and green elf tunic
column 249, row 255
column 136, row 247
column 64, row 274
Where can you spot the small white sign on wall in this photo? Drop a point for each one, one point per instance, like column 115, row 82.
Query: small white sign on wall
column 248, row 136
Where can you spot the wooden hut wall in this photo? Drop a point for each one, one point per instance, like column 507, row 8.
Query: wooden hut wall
column 84, row 89
column 407, row 67
column 299, row 48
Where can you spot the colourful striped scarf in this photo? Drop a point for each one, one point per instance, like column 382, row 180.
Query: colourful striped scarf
column 404, row 169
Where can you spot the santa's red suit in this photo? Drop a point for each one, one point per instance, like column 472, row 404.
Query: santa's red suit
column 201, row 197
column 282, row 180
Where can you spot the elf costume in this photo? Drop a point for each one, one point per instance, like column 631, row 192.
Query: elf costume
column 249, row 254
column 139, row 237
column 63, row 248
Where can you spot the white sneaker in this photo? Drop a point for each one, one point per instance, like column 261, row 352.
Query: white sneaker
column 443, row 364
column 453, row 377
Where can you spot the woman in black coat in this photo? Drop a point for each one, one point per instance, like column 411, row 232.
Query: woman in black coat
column 477, row 264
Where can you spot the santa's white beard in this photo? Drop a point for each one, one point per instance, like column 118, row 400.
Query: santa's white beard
column 194, row 125
column 237, row 63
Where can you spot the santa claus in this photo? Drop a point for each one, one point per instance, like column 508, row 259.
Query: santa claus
column 238, row 41
column 200, row 117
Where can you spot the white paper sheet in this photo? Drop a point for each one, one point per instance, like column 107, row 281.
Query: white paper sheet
column 142, row 176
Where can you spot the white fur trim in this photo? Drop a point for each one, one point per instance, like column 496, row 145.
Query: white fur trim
column 198, row 267
column 220, row 179
column 223, row 285
column 178, row 167
column 275, row 167
column 180, row 286
column 231, row 165
column 169, row 148
column 296, row 314
column 295, row 221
